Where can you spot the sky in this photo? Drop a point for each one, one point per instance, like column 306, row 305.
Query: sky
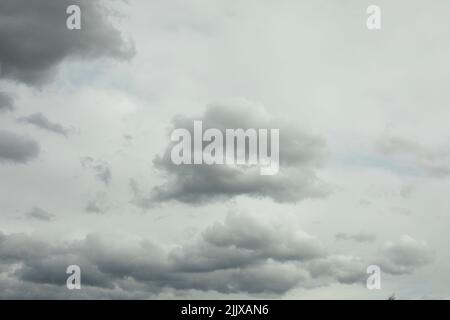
column 85, row 171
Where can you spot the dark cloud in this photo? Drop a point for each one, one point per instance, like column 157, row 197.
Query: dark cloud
column 17, row 149
column 6, row 102
column 34, row 38
column 101, row 168
column 357, row 237
column 301, row 154
column 40, row 214
column 239, row 255
column 41, row 121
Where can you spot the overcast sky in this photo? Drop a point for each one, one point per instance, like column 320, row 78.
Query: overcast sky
column 86, row 177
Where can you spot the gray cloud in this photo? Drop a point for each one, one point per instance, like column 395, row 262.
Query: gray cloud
column 97, row 205
column 34, row 39
column 6, row 102
column 338, row 268
column 405, row 255
column 93, row 207
column 231, row 244
column 301, row 154
column 40, row 214
column 41, row 121
column 239, row 255
column 17, row 149
column 101, row 168
column 357, row 237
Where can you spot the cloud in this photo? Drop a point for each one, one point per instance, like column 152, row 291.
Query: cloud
column 40, row 214
column 405, row 255
column 242, row 240
column 34, row 38
column 101, row 168
column 357, row 237
column 430, row 161
column 93, row 207
column 17, row 149
column 301, row 154
column 6, row 102
column 239, row 255
column 340, row 268
column 41, row 121
column 97, row 205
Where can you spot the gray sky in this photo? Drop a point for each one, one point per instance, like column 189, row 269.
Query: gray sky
column 85, row 117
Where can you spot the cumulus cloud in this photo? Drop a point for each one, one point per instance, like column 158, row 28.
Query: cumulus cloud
column 241, row 240
column 17, row 149
column 357, row 237
column 41, row 121
column 239, row 255
column 101, row 168
column 301, row 154
column 405, row 255
column 40, row 214
column 34, row 39
column 6, row 102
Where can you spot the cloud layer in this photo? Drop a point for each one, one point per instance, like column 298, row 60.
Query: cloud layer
column 239, row 255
